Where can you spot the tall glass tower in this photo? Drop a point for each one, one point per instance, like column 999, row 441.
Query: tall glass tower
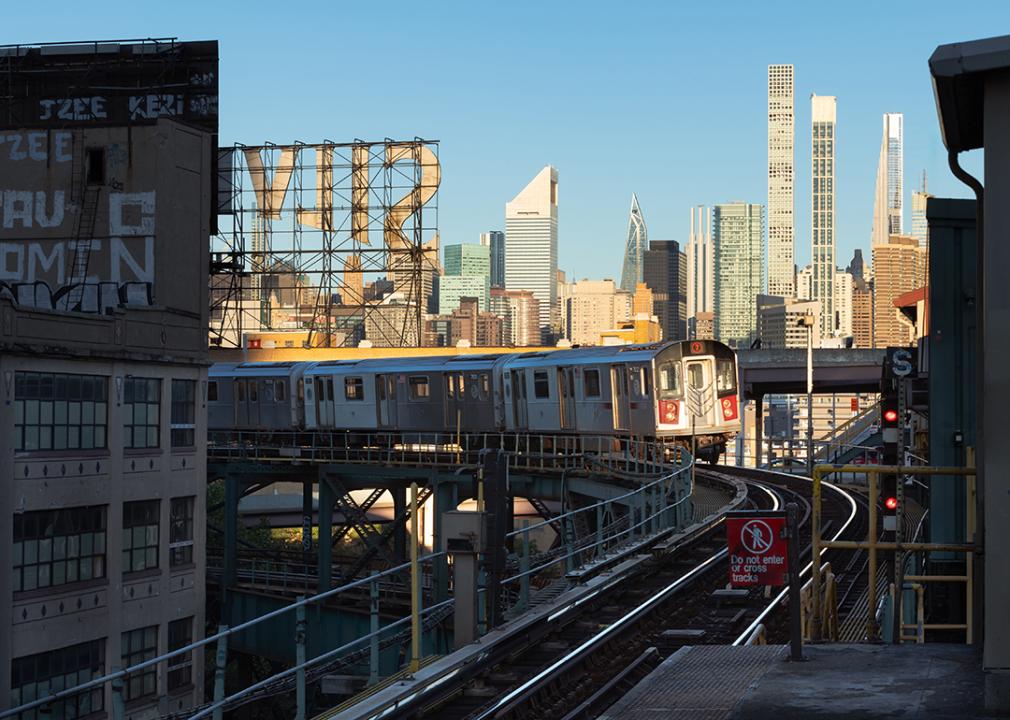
column 780, row 181
column 738, row 241
column 887, row 201
column 634, row 251
column 822, row 210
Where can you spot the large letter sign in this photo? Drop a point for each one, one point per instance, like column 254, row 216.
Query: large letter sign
column 757, row 549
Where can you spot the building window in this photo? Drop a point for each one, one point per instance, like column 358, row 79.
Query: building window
column 184, row 413
column 591, row 383
column 180, row 668
column 141, row 412
column 140, row 645
column 54, row 411
column 57, row 547
column 180, row 532
column 140, row 535
column 541, row 387
column 418, row 387
column 36, row 676
column 354, row 388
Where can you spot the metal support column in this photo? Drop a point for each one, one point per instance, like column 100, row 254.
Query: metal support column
column 446, row 500
column 300, row 658
column 400, row 531
column 759, row 429
column 232, row 493
column 326, row 501
column 220, row 663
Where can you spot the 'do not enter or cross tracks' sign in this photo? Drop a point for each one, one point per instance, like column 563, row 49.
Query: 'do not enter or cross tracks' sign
column 758, row 548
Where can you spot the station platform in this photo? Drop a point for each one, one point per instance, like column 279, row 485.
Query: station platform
column 855, row 682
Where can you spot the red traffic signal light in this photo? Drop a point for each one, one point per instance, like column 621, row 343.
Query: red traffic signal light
column 891, row 503
column 891, row 415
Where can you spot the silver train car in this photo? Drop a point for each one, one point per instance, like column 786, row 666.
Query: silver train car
column 665, row 390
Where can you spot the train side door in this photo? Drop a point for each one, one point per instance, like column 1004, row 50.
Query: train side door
column 519, row 399
column 454, row 395
column 385, row 396
column 619, row 396
column 247, row 403
column 566, row 397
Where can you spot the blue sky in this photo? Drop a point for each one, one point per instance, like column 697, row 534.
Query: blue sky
column 667, row 100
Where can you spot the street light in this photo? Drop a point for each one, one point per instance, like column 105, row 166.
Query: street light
column 808, row 321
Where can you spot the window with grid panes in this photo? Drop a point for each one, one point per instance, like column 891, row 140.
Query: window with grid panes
column 59, row 411
column 184, row 413
column 35, row 676
column 58, row 547
column 141, row 412
column 140, row 645
column 180, row 668
column 180, row 531
column 140, row 535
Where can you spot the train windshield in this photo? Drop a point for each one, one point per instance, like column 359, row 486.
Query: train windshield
column 669, row 380
column 725, row 375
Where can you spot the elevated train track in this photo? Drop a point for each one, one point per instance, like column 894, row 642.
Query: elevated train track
column 581, row 656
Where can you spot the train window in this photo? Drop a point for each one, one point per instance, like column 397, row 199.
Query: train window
column 669, row 380
column 696, row 375
column 212, row 391
column 485, row 386
column 240, row 390
column 418, row 387
column 450, row 385
column 639, row 384
column 253, row 391
column 354, row 388
column 301, row 389
column 591, row 383
column 474, row 385
column 280, row 391
column 725, row 378
column 329, row 389
column 541, row 387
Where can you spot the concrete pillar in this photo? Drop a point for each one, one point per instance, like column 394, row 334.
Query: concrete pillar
column 994, row 451
column 232, row 493
column 400, row 531
column 446, row 500
column 759, row 429
column 325, row 556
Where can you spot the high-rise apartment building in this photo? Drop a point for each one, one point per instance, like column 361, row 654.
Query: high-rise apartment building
column 804, row 279
column 843, row 305
column 466, row 266
column 595, row 306
column 634, row 248
column 920, row 227
column 778, row 321
column 888, row 198
column 700, row 268
column 531, row 246
column 494, row 241
column 823, row 151
column 898, row 267
column 520, row 311
column 738, row 240
column 666, row 276
column 781, row 233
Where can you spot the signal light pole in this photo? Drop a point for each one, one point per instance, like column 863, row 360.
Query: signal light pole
column 808, row 321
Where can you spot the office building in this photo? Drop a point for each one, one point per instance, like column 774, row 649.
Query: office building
column 887, row 198
column 700, row 268
column 737, row 240
column 898, row 267
column 531, row 246
column 634, row 248
column 494, row 241
column 862, row 314
column 595, row 306
column 804, row 278
column 103, row 431
column 520, row 313
column 466, row 266
column 920, row 228
column 779, row 321
column 781, row 243
column 451, row 288
column 666, row 277
column 843, row 305
column 823, row 151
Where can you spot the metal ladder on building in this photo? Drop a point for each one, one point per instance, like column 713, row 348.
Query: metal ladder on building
column 84, row 233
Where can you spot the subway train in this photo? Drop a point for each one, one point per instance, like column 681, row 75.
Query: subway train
column 665, row 391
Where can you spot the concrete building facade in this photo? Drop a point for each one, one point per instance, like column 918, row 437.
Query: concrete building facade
column 781, row 134
column 862, row 314
column 700, row 268
column 595, row 306
column 779, row 321
column 531, row 246
column 520, row 313
column 898, row 267
column 738, row 243
column 103, row 347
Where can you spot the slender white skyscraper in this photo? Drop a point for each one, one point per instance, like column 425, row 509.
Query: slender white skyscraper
column 531, row 245
column 822, row 197
column 700, row 265
column 634, row 248
column 781, row 237
column 887, row 201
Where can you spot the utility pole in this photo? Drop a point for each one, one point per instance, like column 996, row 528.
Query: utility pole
column 808, row 322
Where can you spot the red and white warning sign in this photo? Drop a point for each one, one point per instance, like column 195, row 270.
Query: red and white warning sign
column 757, row 550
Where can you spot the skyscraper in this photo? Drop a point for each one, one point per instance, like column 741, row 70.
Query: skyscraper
column 737, row 239
column 920, row 228
column 634, row 248
column 666, row 276
column 899, row 266
column 494, row 241
column 780, row 181
column 858, row 266
column 700, row 267
column 531, row 245
column 823, row 146
column 887, row 201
